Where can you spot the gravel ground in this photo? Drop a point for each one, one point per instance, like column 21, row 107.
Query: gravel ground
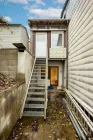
column 56, row 127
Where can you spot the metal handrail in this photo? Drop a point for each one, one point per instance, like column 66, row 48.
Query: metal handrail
column 87, row 124
column 27, row 89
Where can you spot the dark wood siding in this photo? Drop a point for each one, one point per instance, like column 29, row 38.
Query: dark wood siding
column 34, row 43
column 65, row 39
column 48, row 41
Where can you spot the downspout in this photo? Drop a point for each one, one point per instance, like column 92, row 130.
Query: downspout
column 63, row 73
column 67, row 62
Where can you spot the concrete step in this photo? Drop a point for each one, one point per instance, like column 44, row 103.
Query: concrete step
column 34, row 105
column 43, row 59
column 38, row 79
column 39, row 64
column 37, row 84
column 36, row 87
column 39, row 68
column 33, row 113
column 39, row 75
column 36, row 93
column 35, row 99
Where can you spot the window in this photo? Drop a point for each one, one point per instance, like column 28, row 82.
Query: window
column 41, row 37
column 56, row 40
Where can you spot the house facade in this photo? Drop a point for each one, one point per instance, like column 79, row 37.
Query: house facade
column 49, row 40
column 80, row 60
column 13, row 33
column 16, row 59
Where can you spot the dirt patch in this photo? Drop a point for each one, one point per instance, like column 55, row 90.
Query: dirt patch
column 6, row 82
column 56, row 127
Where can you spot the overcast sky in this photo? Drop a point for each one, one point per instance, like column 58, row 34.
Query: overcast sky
column 18, row 11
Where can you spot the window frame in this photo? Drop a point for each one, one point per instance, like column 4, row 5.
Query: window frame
column 58, row 32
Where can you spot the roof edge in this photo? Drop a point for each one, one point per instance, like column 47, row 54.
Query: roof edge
column 65, row 5
column 37, row 21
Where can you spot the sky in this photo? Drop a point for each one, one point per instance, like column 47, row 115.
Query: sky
column 19, row 11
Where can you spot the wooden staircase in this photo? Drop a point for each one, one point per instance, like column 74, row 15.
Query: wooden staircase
column 36, row 98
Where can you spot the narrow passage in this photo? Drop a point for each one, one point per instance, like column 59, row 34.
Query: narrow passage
column 56, row 127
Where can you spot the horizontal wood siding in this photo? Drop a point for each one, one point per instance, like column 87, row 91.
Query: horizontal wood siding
column 9, row 35
column 13, row 34
column 80, row 53
column 71, row 7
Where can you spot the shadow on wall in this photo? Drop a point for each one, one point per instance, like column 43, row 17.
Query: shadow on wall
column 17, row 65
column 11, row 102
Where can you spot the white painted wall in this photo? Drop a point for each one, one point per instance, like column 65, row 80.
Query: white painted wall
column 24, row 37
column 59, row 64
column 13, row 34
column 25, row 63
column 80, row 56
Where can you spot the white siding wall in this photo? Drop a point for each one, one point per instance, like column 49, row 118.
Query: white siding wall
column 9, row 35
column 80, row 56
column 24, row 37
column 13, row 34
column 70, row 9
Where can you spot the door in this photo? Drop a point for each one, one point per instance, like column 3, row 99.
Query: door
column 54, row 76
column 41, row 45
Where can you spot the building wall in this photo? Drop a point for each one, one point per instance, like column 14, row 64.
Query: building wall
column 17, row 65
column 70, row 9
column 29, row 60
column 24, row 37
column 9, row 35
column 80, row 54
column 25, row 63
column 8, row 62
column 11, row 102
column 58, row 52
column 53, row 52
column 13, row 34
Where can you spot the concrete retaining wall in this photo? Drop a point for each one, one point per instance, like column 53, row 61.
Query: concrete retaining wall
column 25, row 63
column 17, row 65
column 8, row 62
column 11, row 102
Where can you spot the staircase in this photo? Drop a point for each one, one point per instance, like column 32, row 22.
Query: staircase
column 36, row 98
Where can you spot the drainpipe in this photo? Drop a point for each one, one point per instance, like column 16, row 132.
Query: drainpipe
column 67, row 62
column 63, row 73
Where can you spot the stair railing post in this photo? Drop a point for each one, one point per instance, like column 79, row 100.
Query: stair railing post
column 46, row 94
column 46, row 81
column 27, row 89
